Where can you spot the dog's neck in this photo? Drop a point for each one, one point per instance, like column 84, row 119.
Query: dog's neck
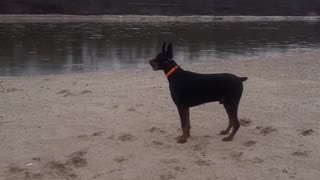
column 171, row 68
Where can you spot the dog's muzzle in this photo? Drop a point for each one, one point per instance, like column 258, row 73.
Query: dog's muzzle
column 154, row 64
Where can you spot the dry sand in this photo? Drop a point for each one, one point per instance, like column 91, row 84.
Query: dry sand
column 122, row 125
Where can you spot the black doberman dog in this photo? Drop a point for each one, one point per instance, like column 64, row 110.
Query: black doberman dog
column 190, row 89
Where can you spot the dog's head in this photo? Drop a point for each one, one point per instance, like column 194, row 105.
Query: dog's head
column 162, row 58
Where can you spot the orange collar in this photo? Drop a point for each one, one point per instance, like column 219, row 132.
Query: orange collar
column 172, row 71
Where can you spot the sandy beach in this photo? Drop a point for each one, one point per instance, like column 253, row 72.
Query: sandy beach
column 122, row 125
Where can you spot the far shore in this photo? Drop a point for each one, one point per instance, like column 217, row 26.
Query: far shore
column 59, row 18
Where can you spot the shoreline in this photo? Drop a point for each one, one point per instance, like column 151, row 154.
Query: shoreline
column 145, row 67
column 59, row 18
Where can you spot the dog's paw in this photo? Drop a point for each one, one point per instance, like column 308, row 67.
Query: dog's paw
column 182, row 140
column 227, row 139
column 224, row 132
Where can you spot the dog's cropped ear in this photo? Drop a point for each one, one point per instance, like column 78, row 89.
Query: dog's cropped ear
column 164, row 47
column 169, row 51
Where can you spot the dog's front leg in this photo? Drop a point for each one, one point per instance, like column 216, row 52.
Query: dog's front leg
column 185, row 123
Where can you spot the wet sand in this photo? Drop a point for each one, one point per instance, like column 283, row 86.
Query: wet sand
column 123, row 125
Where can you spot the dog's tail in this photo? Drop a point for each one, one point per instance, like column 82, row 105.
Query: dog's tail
column 243, row 78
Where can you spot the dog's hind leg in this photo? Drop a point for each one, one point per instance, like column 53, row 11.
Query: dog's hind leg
column 231, row 104
column 185, row 123
column 232, row 111
column 224, row 132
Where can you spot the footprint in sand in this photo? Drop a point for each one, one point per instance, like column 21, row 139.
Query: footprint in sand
column 77, row 159
column 66, row 93
column 85, row 92
column 155, row 129
column 170, row 161
column 202, row 146
column 249, row 143
column 12, row 89
column 59, row 169
column 173, row 164
column 65, row 169
column 197, row 147
column 9, row 90
column 245, row 122
column 111, row 137
column 139, row 105
column 83, row 136
column 16, row 172
column 292, row 174
column 303, row 154
column 63, row 91
column 131, row 109
column 202, row 143
column 37, row 159
column 15, row 169
column 159, row 143
column 266, row 130
column 120, row 159
column 99, row 104
column 307, row 132
column 50, row 169
column 30, row 175
column 202, row 162
column 236, row 156
column 256, row 160
column 115, row 106
column 167, row 176
column 126, row 137
column 99, row 133
column 46, row 79
column 179, row 168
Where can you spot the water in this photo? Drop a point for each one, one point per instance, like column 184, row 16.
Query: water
column 51, row 48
